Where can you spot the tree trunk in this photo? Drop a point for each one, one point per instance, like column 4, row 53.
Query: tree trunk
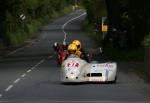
column 3, row 35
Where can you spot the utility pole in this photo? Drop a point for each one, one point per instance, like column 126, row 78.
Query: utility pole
column 23, row 17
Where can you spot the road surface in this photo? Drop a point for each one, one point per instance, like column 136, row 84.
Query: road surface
column 31, row 74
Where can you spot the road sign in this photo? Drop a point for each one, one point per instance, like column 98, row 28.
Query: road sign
column 104, row 25
column 22, row 17
column 104, row 28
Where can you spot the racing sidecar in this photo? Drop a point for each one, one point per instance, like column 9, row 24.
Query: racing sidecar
column 74, row 69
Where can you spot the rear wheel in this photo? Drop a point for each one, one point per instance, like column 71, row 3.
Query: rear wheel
column 115, row 80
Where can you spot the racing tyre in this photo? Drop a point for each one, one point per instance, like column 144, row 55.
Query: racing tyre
column 114, row 80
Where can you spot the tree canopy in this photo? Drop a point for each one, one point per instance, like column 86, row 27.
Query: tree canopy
column 12, row 24
column 131, row 16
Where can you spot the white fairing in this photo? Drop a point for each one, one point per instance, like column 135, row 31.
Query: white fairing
column 78, row 70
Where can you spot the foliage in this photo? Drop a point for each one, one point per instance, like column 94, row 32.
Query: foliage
column 124, row 55
column 95, row 9
column 146, row 41
column 91, row 33
column 131, row 20
column 14, row 30
column 131, row 16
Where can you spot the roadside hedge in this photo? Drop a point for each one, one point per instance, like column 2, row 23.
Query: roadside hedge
column 21, row 19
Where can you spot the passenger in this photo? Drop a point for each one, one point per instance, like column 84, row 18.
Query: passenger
column 80, row 52
column 72, row 48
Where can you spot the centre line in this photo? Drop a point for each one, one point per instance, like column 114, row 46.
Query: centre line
column 17, row 80
column 23, row 75
column 1, row 95
column 29, row 71
column 8, row 88
column 66, row 23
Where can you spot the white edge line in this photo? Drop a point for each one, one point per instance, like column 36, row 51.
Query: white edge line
column 3, row 101
column 83, row 101
column 15, row 51
column 23, row 75
column 63, row 26
column 17, row 80
column 8, row 88
column 50, row 56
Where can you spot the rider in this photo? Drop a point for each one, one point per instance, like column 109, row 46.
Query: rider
column 59, row 47
column 56, row 46
column 79, row 50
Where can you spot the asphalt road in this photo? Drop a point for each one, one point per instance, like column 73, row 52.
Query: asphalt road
column 31, row 74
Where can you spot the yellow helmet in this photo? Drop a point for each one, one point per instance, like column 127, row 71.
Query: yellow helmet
column 77, row 43
column 72, row 47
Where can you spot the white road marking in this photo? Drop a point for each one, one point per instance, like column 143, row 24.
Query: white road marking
column 63, row 26
column 29, row 71
column 50, row 56
column 35, row 66
column 83, row 101
column 41, row 61
column 32, row 68
column 3, row 101
column 23, row 75
column 9, row 88
column 1, row 95
column 17, row 80
column 13, row 52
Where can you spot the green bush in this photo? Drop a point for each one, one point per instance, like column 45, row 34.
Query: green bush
column 147, row 40
column 1, row 45
column 33, row 27
column 124, row 55
column 37, row 13
column 67, row 9
column 15, row 39
column 97, row 36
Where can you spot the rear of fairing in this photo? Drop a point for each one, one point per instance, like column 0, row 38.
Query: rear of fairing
column 102, row 72
column 71, row 70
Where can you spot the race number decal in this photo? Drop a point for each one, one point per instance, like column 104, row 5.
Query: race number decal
column 72, row 68
column 73, row 64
